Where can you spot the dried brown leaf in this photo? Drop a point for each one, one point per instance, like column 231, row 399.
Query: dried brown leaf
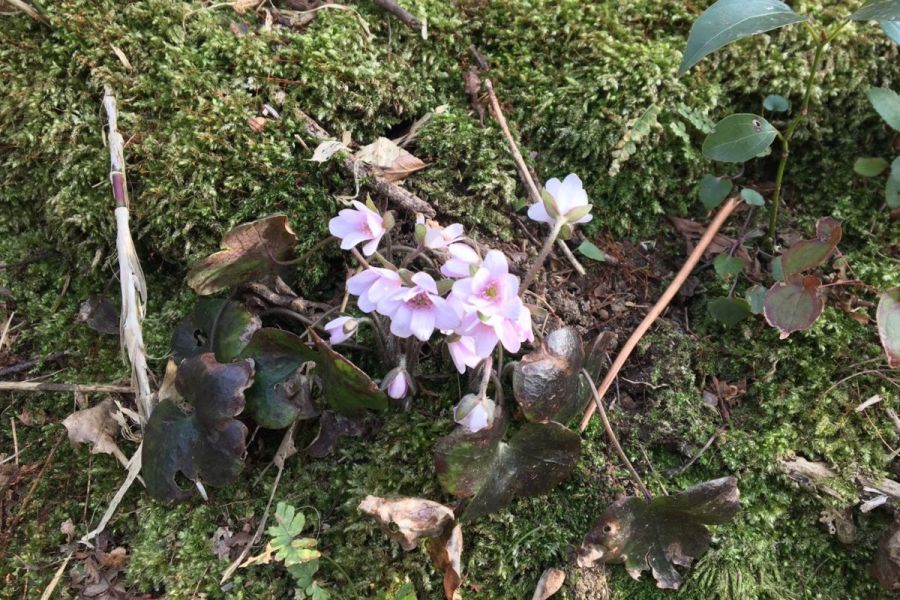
column 97, row 427
column 446, row 554
column 549, row 583
column 407, row 520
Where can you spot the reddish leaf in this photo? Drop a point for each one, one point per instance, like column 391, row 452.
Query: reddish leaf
column 249, row 251
column 888, row 317
column 808, row 254
column 793, row 305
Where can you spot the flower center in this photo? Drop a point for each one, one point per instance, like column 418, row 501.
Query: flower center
column 420, row 301
column 491, row 292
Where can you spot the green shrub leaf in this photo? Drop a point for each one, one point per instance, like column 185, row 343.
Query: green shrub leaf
column 642, row 534
column 887, row 103
column 727, row 21
column 591, row 251
column 878, row 10
column 888, row 317
column 729, row 311
column 756, row 296
column 752, row 197
column 727, row 265
column 892, row 191
column 345, row 387
column 793, row 305
column 776, row 103
column 870, row 167
column 713, row 190
column 738, row 138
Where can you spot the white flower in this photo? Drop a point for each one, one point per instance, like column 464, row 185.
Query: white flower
column 567, row 201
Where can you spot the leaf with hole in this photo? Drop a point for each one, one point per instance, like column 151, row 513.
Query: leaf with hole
column 234, row 326
column 206, row 445
column 878, row 10
column 729, row 311
column 738, row 138
column 752, row 197
column 887, row 103
column 537, row 457
column 809, row 254
column 661, row 533
column 277, row 398
column 888, row 318
column 727, row 266
column 249, row 252
column 589, row 250
column 714, row 190
column 776, row 103
column 794, row 304
column 727, row 21
column 870, row 167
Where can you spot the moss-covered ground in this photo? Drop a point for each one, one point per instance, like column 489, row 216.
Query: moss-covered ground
column 573, row 77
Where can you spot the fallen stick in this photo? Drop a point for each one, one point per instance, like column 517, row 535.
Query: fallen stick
column 37, row 386
column 661, row 304
column 524, row 172
column 380, row 187
column 401, row 13
column 134, row 287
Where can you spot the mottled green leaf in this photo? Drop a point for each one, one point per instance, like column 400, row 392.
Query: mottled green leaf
column 713, row 190
column 345, row 387
column 887, row 103
column 727, row 21
column 729, row 311
column 752, row 197
column 870, row 167
column 738, row 138
column 756, row 297
column 777, row 269
column 793, row 305
column 591, row 251
column 892, row 30
column 546, row 381
column 273, row 401
column 776, row 103
column 727, row 265
column 809, row 254
column 209, row 443
column 878, row 10
column 888, row 317
column 662, row 533
column 249, row 252
column 219, row 326
column 892, row 192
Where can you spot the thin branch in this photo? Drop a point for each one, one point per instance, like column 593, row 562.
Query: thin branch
column 401, row 13
column 38, row 386
column 598, row 402
column 662, row 303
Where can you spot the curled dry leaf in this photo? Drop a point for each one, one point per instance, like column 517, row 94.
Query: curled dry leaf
column 888, row 316
column 326, row 150
column 793, row 305
column 537, row 457
column 656, row 535
column 446, row 554
column 407, row 520
column 392, row 162
column 249, row 251
column 809, row 254
column 886, row 566
column 546, row 381
column 332, row 427
column 549, row 583
column 219, row 326
column 207, row 444
column 97, row 427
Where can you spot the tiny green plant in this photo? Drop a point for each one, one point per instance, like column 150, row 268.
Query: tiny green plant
column 741, row 137
column 887, row 104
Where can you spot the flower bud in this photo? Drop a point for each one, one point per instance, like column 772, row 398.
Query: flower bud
column 398, row 384
column 341, row 329
column 474, row 413
column 389, row 220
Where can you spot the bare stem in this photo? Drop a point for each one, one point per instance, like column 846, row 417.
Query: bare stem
column 598, row 402
column 539, row 261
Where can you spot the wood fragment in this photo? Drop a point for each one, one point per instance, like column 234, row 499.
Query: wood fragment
column 38, row 386
column 401, row 13
column 382, row 188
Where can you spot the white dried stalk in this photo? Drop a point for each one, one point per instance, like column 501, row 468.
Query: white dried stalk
column 131, row 277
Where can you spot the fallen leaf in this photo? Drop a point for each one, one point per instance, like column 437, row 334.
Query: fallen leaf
column 794, row 304
column 257, row 123
column 407, row 520
column 886, row 566
column 808, row 254
column 208, row 444
column 446, row 554
column 547, row 381
column 68, row 529
column 249, row 252
column 549, row 583
column 661, row 533
column 97, row 427
column 839, row 523
column 332, row 427
column 326, row 150
column 393, row 163
column 888, row 317
column 100, row 314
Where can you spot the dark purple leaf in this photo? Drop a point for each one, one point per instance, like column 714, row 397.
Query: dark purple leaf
column 219, row 326
column 546, row 381
column 793, row 305
column 662, row 533
column 332, row 427
column 346, row 387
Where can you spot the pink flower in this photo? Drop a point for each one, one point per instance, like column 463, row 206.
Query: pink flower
column 357, row 225
column 397, row 383
column 462, row 351
column 341, row 329
column 568, row 200
column 474, row 413
column 373, row 285
column 441, row 237
column 462, row 258
column 491, row 290
column 419, row 309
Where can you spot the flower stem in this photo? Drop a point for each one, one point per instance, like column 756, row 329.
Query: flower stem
column 539, row 261
column 487, row 367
